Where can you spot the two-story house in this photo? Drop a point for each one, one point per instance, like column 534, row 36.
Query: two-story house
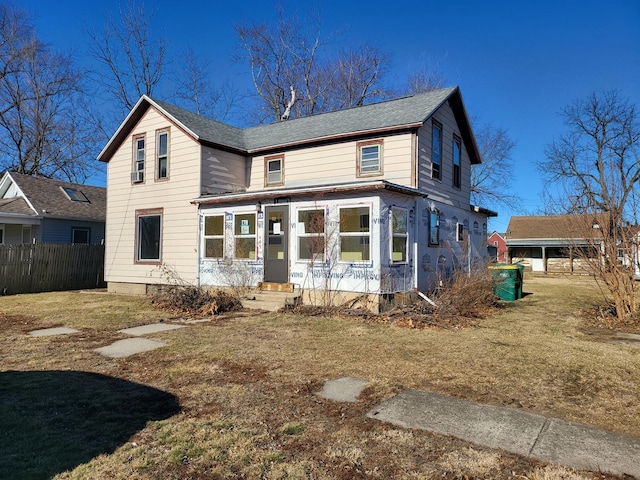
column 373, row 199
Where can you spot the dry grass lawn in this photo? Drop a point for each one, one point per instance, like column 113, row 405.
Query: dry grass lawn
column 234, row 396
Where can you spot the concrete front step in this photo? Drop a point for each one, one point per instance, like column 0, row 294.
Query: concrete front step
column 270, row 300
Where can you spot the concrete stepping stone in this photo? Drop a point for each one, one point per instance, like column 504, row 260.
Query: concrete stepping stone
column 345, row 389
column 48, row 332
column 148, row 329
column 129, row 346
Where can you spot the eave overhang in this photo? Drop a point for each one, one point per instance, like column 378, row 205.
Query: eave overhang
column 266, row 195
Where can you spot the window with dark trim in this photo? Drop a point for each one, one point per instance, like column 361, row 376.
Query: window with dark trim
column 457, row 166
column 274, row 170
column 369, row 160
column 162, row 155
column 436, row 150
column 80, row 235
column 138, row 158
column 214, row 236
column 149, row 236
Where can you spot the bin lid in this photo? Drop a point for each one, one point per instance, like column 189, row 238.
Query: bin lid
column 504, row 267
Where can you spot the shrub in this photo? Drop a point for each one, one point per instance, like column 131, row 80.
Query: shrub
column 195, row 300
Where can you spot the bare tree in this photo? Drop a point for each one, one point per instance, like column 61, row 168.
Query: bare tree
column 596, row 165
column 40, row 128
column 291, row 55
column 132, row 58
column 491, row 180
column 425, row 77
column 195, row 89
column 356, row 78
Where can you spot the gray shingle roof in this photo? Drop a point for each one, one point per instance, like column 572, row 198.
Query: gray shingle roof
column 47, row 194
column 406, row 112
column 378, row 116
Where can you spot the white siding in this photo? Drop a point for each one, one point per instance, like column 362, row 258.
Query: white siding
column 442, row 190
column 336, row 163
column 180, row 217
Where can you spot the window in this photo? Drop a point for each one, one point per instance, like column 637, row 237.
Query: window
column 214, row 236
column 457, row 169
column 137, row 175
column 149, row 236
column 434, row 228
column 459, row 232
column 1, row 234
column 162, row 148
column 436, row 150
column 74, row 194
column 245, row 236
column 80, row 235
column 369, row 158
column 355, row 233
column 311, row 239
column 274, row 170
column 399, row 236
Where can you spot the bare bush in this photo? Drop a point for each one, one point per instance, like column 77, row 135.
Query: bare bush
column 469, row 295
column 195, row 300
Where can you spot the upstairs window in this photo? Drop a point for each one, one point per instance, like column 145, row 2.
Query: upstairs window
column 457, row 168
column 436, row 150
column 214, row 236
column 369, row 158
column 137, row 174
column 274, row 170
column 355, row 234
column 162, row 160
column 399, row 235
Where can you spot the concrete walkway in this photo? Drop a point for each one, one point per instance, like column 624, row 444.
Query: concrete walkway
column 551, row 440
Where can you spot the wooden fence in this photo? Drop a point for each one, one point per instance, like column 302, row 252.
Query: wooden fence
column 46, row 267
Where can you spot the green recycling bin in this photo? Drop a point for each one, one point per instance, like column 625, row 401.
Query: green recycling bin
column 508, row 281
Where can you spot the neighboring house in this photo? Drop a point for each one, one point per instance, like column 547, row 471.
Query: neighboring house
column 42, row 210
column 373, row 199
column 498, row 247
column 553, row 244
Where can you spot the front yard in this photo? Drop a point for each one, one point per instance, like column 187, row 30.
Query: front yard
column 234, row 397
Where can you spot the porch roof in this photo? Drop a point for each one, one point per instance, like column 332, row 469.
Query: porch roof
column 308, row 191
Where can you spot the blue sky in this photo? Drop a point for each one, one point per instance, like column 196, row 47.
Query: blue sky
column 517, row 63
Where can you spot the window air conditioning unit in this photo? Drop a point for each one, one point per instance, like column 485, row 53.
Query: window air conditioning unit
column 137, row 177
